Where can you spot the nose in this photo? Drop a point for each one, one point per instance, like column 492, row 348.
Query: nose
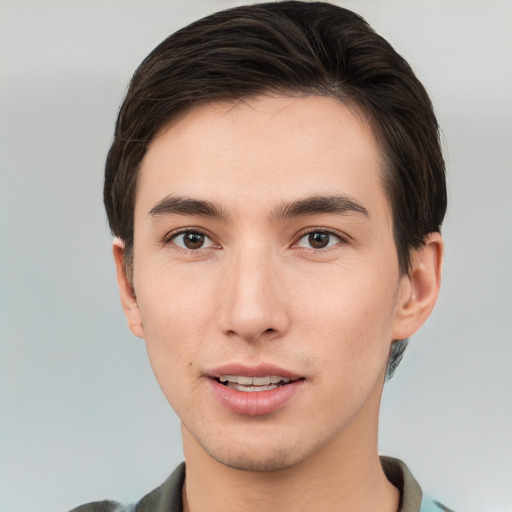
column 253, row 298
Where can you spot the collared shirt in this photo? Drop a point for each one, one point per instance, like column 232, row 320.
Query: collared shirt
column 168, row 496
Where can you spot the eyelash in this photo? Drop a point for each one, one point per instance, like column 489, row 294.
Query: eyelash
column 310, row 231
column 170, row 237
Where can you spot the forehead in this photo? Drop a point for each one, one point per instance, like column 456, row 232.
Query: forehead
column 261, row 150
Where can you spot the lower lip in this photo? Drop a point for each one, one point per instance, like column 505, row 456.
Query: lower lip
column 255, row 403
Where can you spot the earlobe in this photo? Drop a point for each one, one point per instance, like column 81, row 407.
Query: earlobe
column 420, row 288
column 126, row 292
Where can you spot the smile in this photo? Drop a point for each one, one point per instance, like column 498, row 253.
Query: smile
column 254, row 396
column 250, row 384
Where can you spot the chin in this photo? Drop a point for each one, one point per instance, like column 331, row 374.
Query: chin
column 257, row 453
column 272, row 460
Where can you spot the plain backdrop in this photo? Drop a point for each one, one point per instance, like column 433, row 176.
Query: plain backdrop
column 82, row 417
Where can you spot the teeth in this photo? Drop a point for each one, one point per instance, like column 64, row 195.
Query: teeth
column 253, row 381
column 239, row 387
column 261, row 381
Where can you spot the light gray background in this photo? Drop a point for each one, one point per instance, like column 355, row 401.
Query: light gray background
column 81, row 415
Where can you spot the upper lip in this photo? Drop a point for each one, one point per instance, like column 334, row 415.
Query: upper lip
column 247, row 370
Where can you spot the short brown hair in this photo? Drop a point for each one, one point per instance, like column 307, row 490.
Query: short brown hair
column 290, row 48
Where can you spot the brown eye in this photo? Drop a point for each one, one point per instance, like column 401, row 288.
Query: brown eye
column 318, row 240
column 192, row 240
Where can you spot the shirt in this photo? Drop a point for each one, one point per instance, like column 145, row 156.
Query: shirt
column 168, row 498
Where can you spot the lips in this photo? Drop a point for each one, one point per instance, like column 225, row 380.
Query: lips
column 256, row 390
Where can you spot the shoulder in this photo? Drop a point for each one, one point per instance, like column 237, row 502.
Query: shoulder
column 165, row 497
column 101, row 506
column 430, row 505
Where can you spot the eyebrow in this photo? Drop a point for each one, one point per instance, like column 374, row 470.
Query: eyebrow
column 177, row 205
column 319, row 204
column 315, row 205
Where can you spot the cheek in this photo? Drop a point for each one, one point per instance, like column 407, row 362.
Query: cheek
column 352, row 333
column 173, row 334
column 351, row 319
column 176, row 314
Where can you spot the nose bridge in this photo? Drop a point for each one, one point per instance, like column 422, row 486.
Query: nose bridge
column 252, row 304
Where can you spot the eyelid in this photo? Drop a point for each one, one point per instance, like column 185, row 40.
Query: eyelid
column 342, row 237
column 171, row 235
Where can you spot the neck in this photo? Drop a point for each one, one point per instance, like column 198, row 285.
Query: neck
column 344, row 475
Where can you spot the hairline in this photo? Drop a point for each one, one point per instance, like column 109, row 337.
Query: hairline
column 364, row 115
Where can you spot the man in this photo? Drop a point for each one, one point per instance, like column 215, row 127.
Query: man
column 276, row 189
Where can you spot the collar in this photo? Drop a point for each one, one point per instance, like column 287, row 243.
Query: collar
column 167, row 497
column 399, row 475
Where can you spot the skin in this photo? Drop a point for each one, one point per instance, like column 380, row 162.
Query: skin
column 257, row 292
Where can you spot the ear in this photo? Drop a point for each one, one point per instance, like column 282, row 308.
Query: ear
column 128, row 299
column 420, row 288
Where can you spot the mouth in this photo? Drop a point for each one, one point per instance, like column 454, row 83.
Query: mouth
column 252, row 384
column 255, row 390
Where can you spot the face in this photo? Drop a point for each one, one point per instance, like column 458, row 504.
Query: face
column 266, row 277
